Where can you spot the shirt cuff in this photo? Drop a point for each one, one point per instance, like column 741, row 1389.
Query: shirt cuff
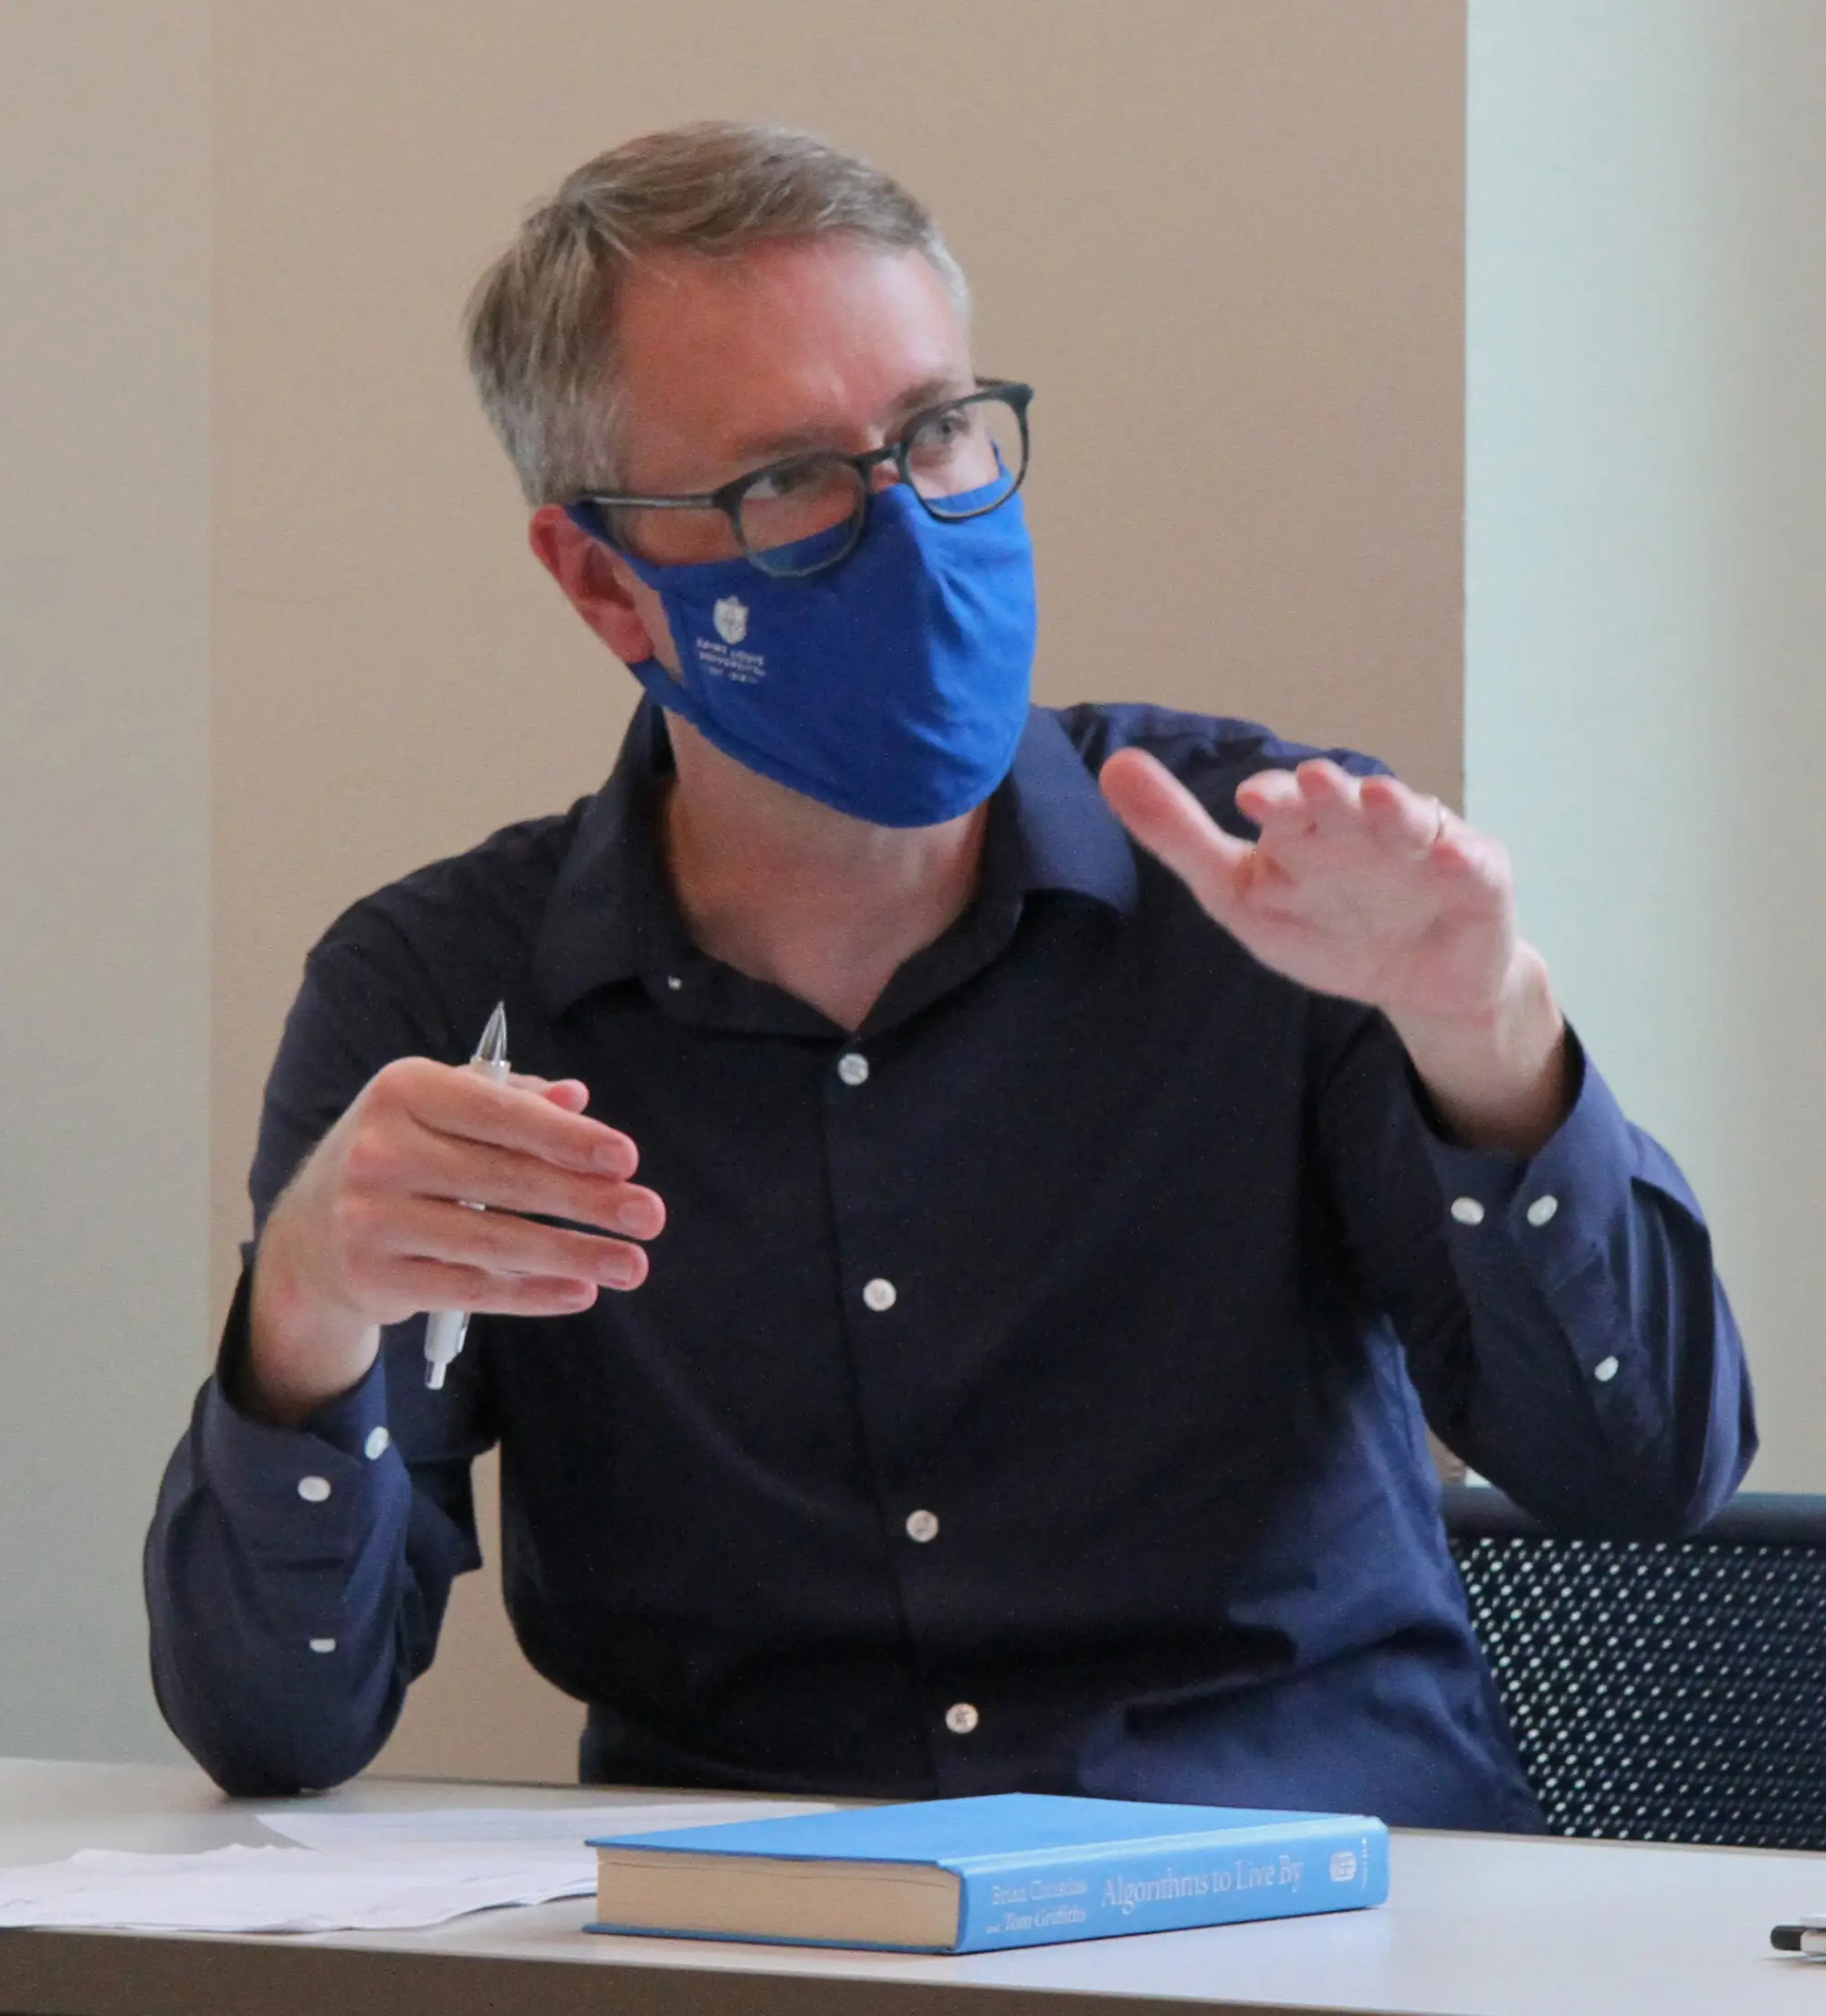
column 1545, row 1226
column 314, row 1489
column 1557, row 1204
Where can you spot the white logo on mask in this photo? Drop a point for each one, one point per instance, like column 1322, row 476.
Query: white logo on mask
column 730, row 617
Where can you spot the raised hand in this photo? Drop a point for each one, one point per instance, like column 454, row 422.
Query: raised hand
column 1356, row 886
column 1362, row 888
column 374, row 1228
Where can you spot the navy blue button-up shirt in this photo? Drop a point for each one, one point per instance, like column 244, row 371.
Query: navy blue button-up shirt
column 1029, row 1388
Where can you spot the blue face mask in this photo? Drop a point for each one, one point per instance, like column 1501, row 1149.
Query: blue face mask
column 893, row 687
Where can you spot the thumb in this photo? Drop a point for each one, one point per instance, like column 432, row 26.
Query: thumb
column 1164, row 817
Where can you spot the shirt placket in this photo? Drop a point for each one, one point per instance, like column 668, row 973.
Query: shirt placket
column 887, row 1292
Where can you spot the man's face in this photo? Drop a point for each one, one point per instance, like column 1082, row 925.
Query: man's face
column 729, row 365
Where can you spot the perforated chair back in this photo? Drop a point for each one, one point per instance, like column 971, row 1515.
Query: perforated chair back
column 1660, row 1690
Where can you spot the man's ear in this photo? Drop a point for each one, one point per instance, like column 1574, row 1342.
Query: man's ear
column 600, row 586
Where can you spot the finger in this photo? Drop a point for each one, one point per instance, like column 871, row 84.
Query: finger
column 572, row 1094
column 1273, row 799
column 497, row 1242
column 415, row 1285
column 1164, row 817
column 472, row 1172
column 1278, row 803
column 1331, row 795
column 1318, row 796
column 463, row 1104
column 1404, row 818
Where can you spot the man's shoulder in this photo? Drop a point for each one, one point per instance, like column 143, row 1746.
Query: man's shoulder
column 492, row 895
column 1210, row 754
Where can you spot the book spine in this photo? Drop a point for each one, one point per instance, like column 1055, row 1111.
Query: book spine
column 1107, row 1891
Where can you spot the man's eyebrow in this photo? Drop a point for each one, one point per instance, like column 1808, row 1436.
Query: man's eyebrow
column 758, row 449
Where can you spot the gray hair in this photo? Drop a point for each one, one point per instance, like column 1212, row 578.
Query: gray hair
column 540, row 325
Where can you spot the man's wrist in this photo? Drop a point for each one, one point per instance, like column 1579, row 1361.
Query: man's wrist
column 1498, row 1080
column 300, row 1354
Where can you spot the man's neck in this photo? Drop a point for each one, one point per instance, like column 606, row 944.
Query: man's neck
column 789, row 891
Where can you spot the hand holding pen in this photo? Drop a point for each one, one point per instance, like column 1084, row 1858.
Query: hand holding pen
column 379, row 1224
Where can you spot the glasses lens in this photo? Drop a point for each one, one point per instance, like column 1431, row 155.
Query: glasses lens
column 794, row 501
column 966, row 459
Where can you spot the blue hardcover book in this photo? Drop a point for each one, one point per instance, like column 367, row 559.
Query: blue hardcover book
column 969, row 1875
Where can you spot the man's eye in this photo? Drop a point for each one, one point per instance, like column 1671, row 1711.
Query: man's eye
column 786, row 480
column 942, row 430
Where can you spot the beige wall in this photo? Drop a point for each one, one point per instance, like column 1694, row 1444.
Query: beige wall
column 1222, row 236
column 104, row 839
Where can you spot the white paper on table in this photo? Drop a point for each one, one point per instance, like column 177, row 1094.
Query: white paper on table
column 243, row 1889
column 539, row 1828
column 354, row 1871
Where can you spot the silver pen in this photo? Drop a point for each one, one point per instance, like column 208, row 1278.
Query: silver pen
column 446, row 1328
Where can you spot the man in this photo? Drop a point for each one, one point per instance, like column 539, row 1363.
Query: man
column 1062, row 1239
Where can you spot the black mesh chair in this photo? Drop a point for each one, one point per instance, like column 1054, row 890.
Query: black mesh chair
column 1660, row 1690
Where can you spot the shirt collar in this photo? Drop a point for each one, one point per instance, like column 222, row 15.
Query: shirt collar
column 1062, row 833
column 611, row 916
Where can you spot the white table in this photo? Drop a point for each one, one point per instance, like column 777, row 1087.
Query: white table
column 1477, row 1925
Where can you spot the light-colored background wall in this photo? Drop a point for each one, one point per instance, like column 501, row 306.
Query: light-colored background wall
column 1646, row 575
column 104, row 839
column 1223, row 236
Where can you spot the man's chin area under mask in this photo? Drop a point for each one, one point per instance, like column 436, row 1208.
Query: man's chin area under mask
column 711, row 796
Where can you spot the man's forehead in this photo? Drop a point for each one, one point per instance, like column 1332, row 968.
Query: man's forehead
column 755, row 350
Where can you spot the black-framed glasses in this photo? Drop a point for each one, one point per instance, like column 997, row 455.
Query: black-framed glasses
column 961, row 460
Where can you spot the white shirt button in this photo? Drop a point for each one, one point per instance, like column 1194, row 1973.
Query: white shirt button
column 853, row 1068
column 313, row 1490
column 673, row 981
column 1467, row 1210
column 1541, row 1211
column 323, row 1644
column 1604, row 1371
column 880, row 1295
column 960, row 1718
column 377, row 1444
column 922, row 1525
